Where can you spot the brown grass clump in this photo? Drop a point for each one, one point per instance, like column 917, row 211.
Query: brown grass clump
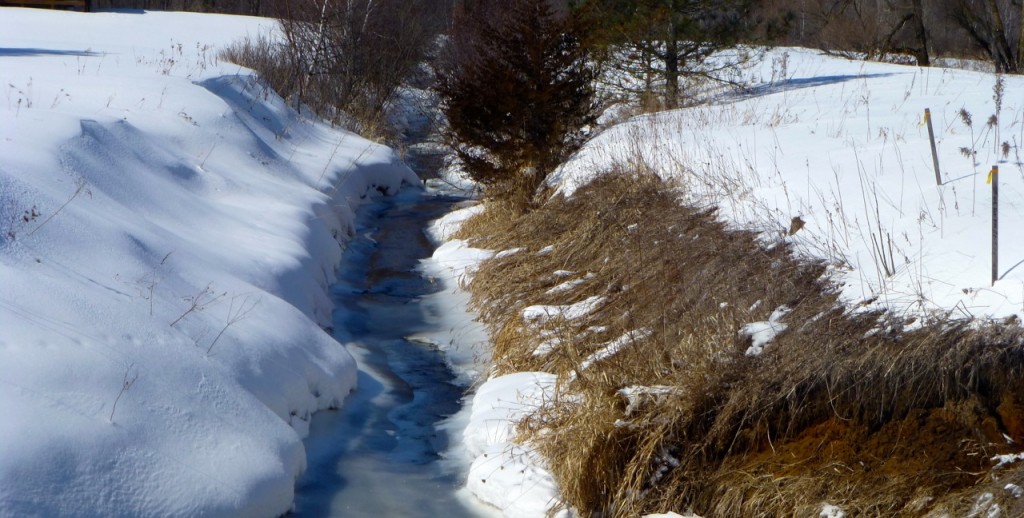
column 665, row 411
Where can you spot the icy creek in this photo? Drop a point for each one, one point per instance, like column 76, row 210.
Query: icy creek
column 381, row 453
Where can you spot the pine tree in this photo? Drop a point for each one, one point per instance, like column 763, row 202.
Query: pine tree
column 517, row 92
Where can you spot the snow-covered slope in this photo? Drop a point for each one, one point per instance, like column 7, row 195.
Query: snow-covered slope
column 842, row 145
column 168, row 230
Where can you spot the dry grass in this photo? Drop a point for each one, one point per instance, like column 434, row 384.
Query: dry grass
column 269, row 58
column 280, row 69
column 842, row 407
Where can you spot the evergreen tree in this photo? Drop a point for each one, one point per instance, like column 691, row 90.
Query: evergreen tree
column 517, row 91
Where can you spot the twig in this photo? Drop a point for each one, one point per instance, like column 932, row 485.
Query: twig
column 197, row 303
column 125, row 385
column 154, row 280
column 235, row 315
column 81, row 187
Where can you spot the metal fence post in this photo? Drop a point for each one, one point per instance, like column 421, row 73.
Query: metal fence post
column 994, row 178
column 931, row 138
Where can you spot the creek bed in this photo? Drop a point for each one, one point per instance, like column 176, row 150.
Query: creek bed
column 380, row 454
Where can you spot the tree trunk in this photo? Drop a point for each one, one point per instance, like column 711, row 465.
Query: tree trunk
column 1000, row 46
column 672, row 60
column 1020, row 40
column 923, row 59
column 671, row 73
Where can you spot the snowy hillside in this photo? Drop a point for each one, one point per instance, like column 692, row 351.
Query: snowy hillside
column 842, row 145
column 169, row 228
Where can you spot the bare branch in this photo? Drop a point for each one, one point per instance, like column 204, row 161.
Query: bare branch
column 129, row 380
column 236, row 313
column 199, row 302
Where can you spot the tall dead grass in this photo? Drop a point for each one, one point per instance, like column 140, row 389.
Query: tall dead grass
column 276, row 67
column 663, row 408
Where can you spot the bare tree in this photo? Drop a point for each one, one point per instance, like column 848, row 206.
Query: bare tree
column 877, row 29
column 993, row 25
column 352, row 55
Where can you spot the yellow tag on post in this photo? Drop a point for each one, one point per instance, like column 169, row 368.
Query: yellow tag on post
column 994, row 171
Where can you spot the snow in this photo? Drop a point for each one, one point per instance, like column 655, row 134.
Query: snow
column 464, row 341
column 636, row 395
column 985, row 506
column 831, row 511
column 565, row 287
column 1009, row 458
column 1014, row 490
column 498, row 404
column 503, row 473
column 188, row 226
column 612, row 348
column 513, row 478
column 460, row 258
column 539, row 314
column 763, row 332
column 548, row 345
column 842, row 145
column 507, row 253
column 443, row 229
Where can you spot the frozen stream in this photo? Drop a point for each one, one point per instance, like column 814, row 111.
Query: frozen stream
column 379, row 454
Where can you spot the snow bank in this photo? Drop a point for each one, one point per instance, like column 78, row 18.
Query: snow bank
column 464, row 341
column 509, row 476
column 169, row 228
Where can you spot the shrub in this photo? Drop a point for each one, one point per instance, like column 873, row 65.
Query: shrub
column 516, row 88
column 345, row 60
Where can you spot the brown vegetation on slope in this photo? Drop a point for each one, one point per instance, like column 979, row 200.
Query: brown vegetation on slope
column 841, row 407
